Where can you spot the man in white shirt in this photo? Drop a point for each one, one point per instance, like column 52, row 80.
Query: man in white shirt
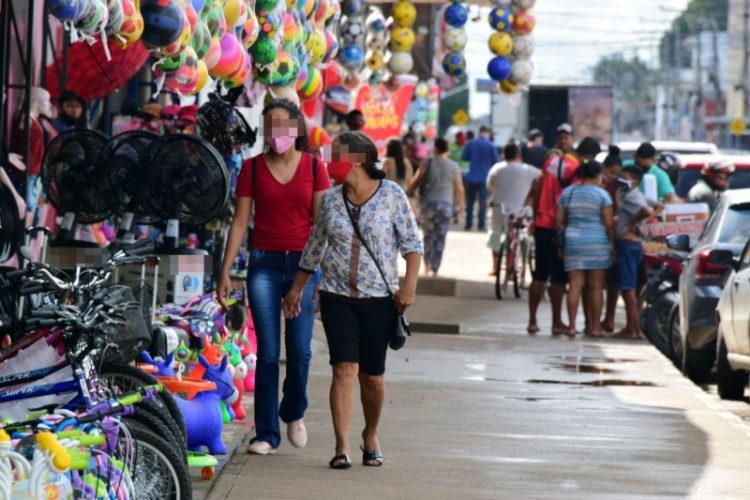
column 508, row 183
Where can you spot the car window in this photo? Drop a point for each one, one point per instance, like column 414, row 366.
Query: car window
column 709, row 230
column 736, row 225
column 686, row 179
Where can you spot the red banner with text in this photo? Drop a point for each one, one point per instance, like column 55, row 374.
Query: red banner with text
column 384, row 109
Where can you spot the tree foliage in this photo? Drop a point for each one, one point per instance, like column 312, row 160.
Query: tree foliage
column 698, row 16
column 631, row 79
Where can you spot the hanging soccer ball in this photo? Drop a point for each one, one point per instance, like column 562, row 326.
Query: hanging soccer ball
column 352, row 57
column 507, row 87
column 499, row 68
column 521, row 71
column 455, row 39
column 501, row 43
column 454, row 63
column 523, row 4
column 376, row 41
column 404, row 14
column 401, row 63
column 353, row 7
column 375, row 22
column 501, row 19
column 264, row 51
column 524, row 22
column 456, row 15
column 353, row 32
column 375, row 60
column 523, row 47
column 402, row 39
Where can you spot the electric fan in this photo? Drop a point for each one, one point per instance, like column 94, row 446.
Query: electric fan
column 125, row 161
column 72, row 180
column 224, row 127
column 11, row 229
column 186, row 182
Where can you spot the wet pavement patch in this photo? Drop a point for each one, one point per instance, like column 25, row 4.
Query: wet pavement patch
column 592, row 360
column 596, row 383
column 579, row 368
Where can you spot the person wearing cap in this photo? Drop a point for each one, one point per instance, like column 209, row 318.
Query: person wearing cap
column 714, row 181
column 645, row 157
column 533, row 152
column 558, row 173
column 481, row 154
column 71, row 113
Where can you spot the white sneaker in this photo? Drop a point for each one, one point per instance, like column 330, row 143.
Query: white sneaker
column 297, row 433
column 259, row 447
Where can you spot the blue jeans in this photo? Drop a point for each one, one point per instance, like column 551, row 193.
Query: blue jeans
column 474, row 190
column 270, row 277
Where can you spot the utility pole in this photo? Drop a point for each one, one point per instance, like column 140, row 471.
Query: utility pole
column 745, row 56
column 673, row 105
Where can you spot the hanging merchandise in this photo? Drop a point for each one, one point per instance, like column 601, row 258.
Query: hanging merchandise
column 500, row 43
column 273, row 66
column 402, row 37
column 514, row 66
column 132, row 25
column 163, row 22
column 454, row 38
column 352, row 35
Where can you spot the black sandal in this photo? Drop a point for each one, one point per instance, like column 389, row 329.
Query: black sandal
column 370, row 456
column 340, row 462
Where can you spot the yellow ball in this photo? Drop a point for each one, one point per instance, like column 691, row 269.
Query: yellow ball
column 402, row 39
column 375, row 60
column 316, row 46
column 202, row 77
column 232, row 12
column 507, row 87
column 501, row 44
column 404, row 14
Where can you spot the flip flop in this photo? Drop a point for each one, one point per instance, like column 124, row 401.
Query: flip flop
column 532, row 329
column 340, row 462
column 368, row 456
column 559, row 331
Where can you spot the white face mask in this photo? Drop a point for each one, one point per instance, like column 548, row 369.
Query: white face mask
column 626, row 182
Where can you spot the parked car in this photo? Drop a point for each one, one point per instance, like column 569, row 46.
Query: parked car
column 733, row 314
column 693, row 324
column 628, row 148
column 692, row 164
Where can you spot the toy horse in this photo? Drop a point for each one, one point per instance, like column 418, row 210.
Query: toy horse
column 203, row 415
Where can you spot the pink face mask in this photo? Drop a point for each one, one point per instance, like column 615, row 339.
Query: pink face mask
column 281, row 144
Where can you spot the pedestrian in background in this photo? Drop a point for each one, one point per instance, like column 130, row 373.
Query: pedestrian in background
column 645, row 157
column 612, row 184
column 355, row 120
column 632, row 209
column 283, row 186
column 559, row 172
column 363, row 224
column 71, row 113
column 442, row 190
column 481, row 154
column 508, row 183
column 533, row 152
column 397, row 167
column 585, row 214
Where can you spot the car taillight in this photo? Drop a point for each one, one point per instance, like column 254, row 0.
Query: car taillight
column 708, row 270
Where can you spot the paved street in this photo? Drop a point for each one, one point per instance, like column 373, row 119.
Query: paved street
column 494, row 413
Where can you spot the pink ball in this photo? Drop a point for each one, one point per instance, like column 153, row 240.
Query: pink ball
column 231, row 56
column 214, row 53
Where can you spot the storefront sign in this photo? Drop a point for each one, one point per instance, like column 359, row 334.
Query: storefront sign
column 384, row 111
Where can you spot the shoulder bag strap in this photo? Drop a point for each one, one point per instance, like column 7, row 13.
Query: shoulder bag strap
column 355, row 225
column 560, row 168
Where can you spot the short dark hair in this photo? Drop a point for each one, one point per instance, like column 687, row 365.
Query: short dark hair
column 363, row 144
column 590, row 169
column 534, row 134
column 483, row 129
column 646, row 150
column 635, row 171
column 510, row 151
column 589, row 147
column 441, row 145
column 613, row 157
column 354, row 115
column 470, row 135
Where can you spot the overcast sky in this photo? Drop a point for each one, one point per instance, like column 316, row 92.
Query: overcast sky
column 571, row 36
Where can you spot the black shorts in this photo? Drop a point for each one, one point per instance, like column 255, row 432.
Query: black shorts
column 548, row 264
column 358, row 330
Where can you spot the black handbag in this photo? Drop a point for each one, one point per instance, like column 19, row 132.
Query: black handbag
column 397, row 339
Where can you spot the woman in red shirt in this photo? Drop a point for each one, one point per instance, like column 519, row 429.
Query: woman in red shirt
column 284, row 186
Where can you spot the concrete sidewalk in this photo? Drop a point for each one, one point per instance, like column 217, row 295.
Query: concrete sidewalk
column 496, row 413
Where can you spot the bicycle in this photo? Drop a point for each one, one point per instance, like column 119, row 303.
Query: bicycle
column 515, row 253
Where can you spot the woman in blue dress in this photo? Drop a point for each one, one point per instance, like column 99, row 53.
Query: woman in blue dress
column 585, row 211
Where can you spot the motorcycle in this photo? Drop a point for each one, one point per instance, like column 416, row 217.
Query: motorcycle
column 660, row 295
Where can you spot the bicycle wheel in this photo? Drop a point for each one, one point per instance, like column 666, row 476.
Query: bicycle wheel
column 127, row 378
column 522, row 267
column 530, row 255
column 159, row 472
column 511, row 267
column 498, row 273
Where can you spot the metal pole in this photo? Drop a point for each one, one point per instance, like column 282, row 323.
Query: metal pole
column 27, row 75
column 4, row 64
column 746, row 55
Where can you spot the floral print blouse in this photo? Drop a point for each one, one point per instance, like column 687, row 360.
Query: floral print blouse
column 386, row 222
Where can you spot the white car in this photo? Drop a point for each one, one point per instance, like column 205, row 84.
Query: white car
column 627, row 149
column 733, row 347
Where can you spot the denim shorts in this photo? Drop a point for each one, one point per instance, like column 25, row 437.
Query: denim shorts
column 629, row 256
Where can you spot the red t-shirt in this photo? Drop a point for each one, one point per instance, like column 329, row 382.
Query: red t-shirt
column 283, row 212
column 552, row 189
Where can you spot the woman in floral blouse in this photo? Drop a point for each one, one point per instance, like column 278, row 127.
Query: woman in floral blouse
column 358, row 312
